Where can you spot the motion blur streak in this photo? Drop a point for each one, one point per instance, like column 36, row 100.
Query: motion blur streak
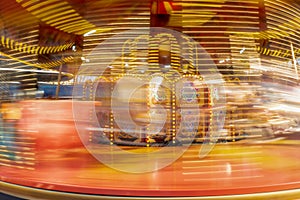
column 252, row 45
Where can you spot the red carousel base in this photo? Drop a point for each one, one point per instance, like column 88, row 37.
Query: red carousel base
column 56, row 160
column 230, row 169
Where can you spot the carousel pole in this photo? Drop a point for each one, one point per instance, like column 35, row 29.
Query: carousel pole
column 58, row 82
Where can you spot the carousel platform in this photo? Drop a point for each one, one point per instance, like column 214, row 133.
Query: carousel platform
column 230, row 171
column 50, row 162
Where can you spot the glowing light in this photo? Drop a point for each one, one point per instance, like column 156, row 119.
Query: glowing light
column 89, row 33
column 286, row 108
column 228, row 168
column 60, row 15
column 30, row 49
column 294, row 61
column 29, row 70
column 73, row 48
column 242, row 50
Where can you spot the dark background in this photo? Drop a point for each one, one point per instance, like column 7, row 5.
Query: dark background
column 8, row 197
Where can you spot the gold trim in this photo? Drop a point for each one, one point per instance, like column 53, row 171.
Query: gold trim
column 35, row 194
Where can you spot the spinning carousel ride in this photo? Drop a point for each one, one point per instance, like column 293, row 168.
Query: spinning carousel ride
column 158, row 91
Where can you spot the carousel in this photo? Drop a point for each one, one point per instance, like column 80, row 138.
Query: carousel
column 159, row 90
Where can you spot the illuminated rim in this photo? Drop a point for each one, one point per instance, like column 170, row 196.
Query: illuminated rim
column 37, row 193
column 100, row 59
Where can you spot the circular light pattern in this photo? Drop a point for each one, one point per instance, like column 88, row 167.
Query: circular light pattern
column 18, row 46
column 129, row 101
